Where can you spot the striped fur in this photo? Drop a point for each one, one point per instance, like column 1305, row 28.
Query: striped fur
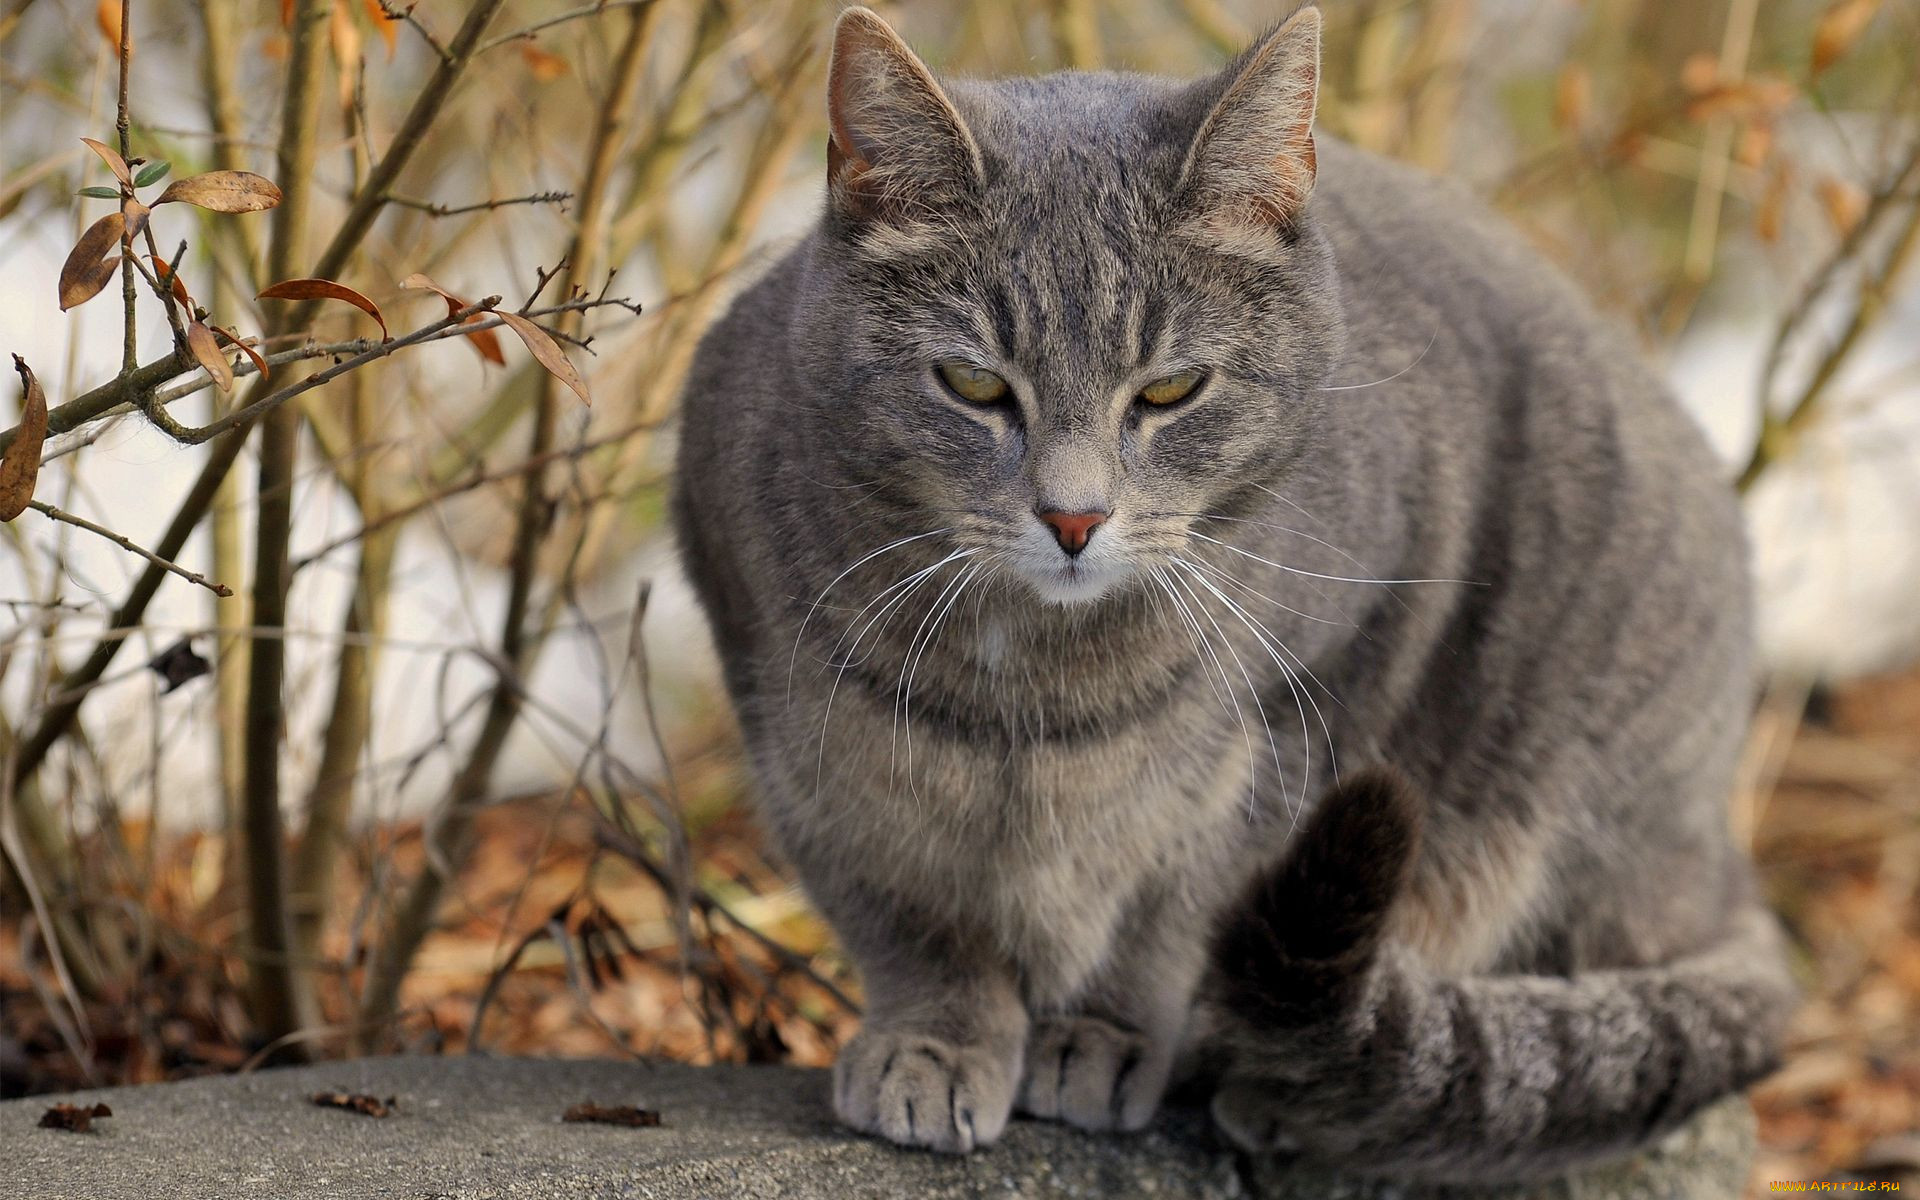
column 1026, row 790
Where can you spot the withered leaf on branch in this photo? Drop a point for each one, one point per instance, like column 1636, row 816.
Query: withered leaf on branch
column 107, row 15
column 179, row 663
column 485, row 343
column 223, row 191
column 165, row 274
column 20, row 465
column 133, row 217
column 387, row 27
column 234, row 339
column 74, row 1118
column 549, row 353
column 85, row 272
column 325, row 289
column 545, row 349
column 371, row 1106
column 207, row 352
column 1839, row 29
column 620, row 1114
column 112, row 158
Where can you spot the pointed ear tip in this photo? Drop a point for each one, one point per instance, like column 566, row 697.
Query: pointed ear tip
column 859, row 19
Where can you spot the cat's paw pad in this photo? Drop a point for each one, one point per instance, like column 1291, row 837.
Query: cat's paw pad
column 1093, row 1074
column 921, row 1091
column 1247, row 1114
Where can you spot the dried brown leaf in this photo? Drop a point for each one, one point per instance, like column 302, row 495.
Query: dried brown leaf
column 85, row 272
column 20, row 465
column 549, row 353
column 234, row 339
column 371, row 1106
column 1572, row 97
column 1845, row 203
column 223, row 191
column 74, row 1118
column 112, row 158
column 325, row 289
column 1839, row 29
column 387, row 27
column 206, row 351
column 619, row 1114
column 485, row 342
column 107, row 15
column 343, row 35
column 133, row 215
column 544, row 65
column 164, row 272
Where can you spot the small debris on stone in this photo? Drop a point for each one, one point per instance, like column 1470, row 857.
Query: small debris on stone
column 371, row 1106
column 74, row 1118
column 622, row 1114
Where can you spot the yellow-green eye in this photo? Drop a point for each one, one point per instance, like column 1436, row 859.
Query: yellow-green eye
column 976, row 385
column 1171, row 390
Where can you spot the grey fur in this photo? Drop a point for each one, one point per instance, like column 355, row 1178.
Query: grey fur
column 1025, row 790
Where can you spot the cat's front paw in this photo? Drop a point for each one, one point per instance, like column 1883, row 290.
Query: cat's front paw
column 922, row 1091
column 1093, row 1074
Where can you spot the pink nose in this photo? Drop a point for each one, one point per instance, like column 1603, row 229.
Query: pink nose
column 1072, row 530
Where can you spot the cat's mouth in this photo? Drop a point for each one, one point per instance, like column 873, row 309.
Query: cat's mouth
column 1077, row 581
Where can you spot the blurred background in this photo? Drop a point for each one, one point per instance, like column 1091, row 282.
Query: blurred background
column 448, row 769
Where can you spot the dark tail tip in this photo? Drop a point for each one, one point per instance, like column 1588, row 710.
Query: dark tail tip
column 1306, row 932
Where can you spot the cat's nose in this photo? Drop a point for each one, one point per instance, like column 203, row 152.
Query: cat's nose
column 1072, row 530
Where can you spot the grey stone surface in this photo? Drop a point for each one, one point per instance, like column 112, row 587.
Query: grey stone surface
column 473, row 1128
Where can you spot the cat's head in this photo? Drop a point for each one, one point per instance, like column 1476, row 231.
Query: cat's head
column 1063, row 317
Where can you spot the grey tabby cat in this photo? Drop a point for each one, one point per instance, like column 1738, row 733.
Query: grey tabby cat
column 1107, row 474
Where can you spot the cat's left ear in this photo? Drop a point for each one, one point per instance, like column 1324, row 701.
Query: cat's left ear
column 1252, row 163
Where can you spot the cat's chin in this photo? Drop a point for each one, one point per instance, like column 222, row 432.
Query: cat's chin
column 1075, row 583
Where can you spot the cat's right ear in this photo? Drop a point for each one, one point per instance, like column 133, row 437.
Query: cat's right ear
column 897, row 149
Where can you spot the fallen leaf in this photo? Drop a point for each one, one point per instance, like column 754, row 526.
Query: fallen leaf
column 112, row 158
column 223, row 191
column 20, row 464
column 179, row 663
column 325, row 289
column 549, row 353
column 624, row 1114
column 356, row 1102
column 485, row 343
column 1839, row 28
column 206, row 351
column 234, row 339
column 87, row 268
column 74, row 1118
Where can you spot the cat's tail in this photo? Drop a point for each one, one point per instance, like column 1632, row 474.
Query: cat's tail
column 1343, row 1048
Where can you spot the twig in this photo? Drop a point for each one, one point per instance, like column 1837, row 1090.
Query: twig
column 1778, row 433
column 128, row 544
column 395, row 13
column 590, row 10
column 56, row 718
column 445, row 210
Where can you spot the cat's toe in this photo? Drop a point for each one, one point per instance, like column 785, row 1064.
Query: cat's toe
column 921, row 1091
column 1093, row 1074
